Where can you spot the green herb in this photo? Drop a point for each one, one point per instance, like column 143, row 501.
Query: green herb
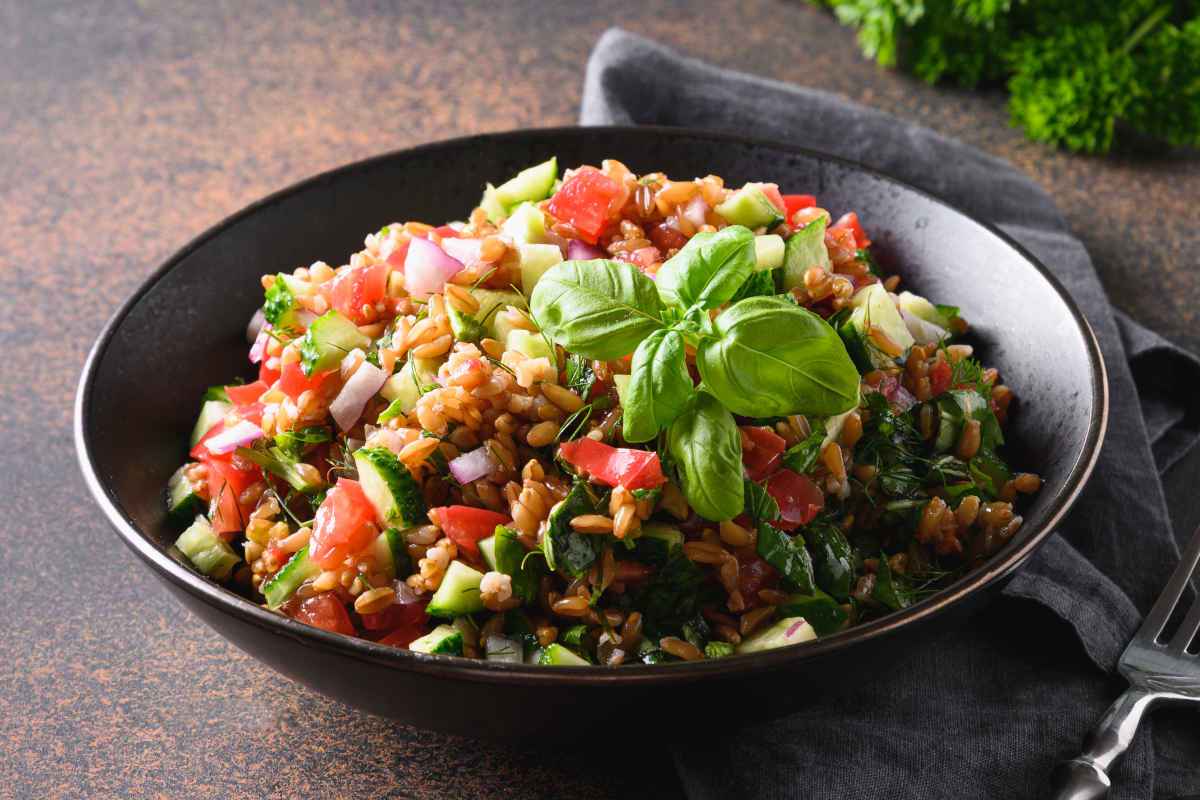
column 833, row 558
column 760, row 506
column 573, row 636
column 563, row 546
column 597, row 309
column 659, row 386
column 279, row 463
column 718, row 650
column 706, row 447
column 1074, row 69
column 671, row 597
column 863, row 254
column 580, row 375
column 217, row 393
column 889, row 590
column 696, row 631
column 514, row 561
column 279, row 304
column 761, row 283
column 756, row 372
column 802, row 456
column 709, row 269
column 788, row 555
column 294, row 443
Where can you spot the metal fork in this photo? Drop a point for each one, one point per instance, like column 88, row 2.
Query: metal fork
column 1157, row 673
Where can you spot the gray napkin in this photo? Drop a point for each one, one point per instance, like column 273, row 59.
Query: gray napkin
column 988, row 711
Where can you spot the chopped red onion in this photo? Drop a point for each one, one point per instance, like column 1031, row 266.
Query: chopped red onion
column 231, row 439
column 427, row 268
column 259, row 348
column 472, row 466
column 582, row 251
column 255, row 326
column 695, row 210
column 348, row 406
column 463, row 250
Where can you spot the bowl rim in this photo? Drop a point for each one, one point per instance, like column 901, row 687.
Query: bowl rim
column 182, row 578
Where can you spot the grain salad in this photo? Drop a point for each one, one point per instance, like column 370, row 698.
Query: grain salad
column 608, row 419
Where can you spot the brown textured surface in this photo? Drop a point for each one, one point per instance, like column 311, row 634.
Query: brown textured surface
column 126, row 129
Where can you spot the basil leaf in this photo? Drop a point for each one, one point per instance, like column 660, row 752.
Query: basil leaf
column 888, row 590
column 709, row 269
column 789, row 556
column 597, row 309
column 773, row 358
column 707, row 449
column 659, row 386
column 760, row 506
column 760, row 284
column 833, row 559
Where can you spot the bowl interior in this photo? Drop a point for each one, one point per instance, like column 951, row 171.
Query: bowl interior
column 185, row 330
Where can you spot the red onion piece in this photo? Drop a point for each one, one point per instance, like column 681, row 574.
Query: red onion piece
column 695, row 210
column 255, row 326
column 231, row 439
column 427, row 268
column 259, row 349
column 582, row 251
column 463, row 250
column 348, row 406
column 472, row 466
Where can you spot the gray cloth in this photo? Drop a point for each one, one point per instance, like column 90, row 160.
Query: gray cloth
column 987, row 711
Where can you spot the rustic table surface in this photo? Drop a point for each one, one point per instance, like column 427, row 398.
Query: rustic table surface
column 126, row 128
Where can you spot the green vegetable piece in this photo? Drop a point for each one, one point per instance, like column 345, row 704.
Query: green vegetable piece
column 458, row 594
column 760, row 506
column 275, row 461
column 527, row 225
column 535, row 260
column 888, row 590
column 789, row 630
column 283, row 584
column 327, row 341
column 718, row 650
column 529, row 185
column 445, row 640
column 749, row 206
column 819, row 609
column 183, row 498
column 391, row 488
column 833, row 559
column 659, row 387
column 563, row 546
column 558, row 656
column 465, row 327
column 760, row 284
column 802, row 456
column 707, row 447
column 598, row 309
column 573, row 636
column 671, row 597
column 768, row 252
column 211, row 412
column 788, row 555
column 293, row 443
column 656, row 544
column 756, row 372
column 709, row 269
column 215, row 393
column 525, row 569
column 805, row 249
column 279, row 305
column 208, row 552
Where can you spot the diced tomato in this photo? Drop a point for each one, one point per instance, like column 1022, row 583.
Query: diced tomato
column 396, row 257
column 246, row 395
column 645, row 257
column 266, row 374
column 798, row 497
column 795, row 202
column 343, row 525
column 754, row 573
column 293, row 382
column 398, row 615
column 850, row 221
column 666, row 237
column 939, row 377
column 771, row 190
column 585, row 201
column 767, row 453
column 403, row 636
column 466, row 525
column 325, row 611
column 228, row 477
column 355, row 288
column 446, row 232
column 615, row 466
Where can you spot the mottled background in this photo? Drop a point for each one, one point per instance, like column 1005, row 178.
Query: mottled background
column 127, row 128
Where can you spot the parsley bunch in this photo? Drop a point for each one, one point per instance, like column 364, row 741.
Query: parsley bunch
column 1074, row 68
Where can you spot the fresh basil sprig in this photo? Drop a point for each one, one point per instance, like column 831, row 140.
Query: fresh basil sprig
column 769, row 358
column 659, row 386
column 709, row 269
column 599, row 309
column 707, row 449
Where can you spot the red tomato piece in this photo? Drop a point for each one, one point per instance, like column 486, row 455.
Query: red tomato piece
column 355, row 288
column 615, row 466
column 850, row 222
column 403, row 636
column 771, row 190
column 767, row 453
column 799, row 498
column 446, row 232
column 246, row 395
column 939, row 377
column 396, row 257
column 266, row 374
column 228, row 477
column 584, row 200
column 466, row 525
column 343, row 525
column 794, row 202
column 754, row 573
column 398, row 615
column 293, row 382
column 325, row 611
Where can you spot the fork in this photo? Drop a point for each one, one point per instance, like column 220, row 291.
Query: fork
column 1157, row 673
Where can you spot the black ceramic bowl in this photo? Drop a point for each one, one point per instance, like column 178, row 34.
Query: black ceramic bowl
column 184, row 330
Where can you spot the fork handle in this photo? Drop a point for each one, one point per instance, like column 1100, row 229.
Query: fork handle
column 1086, row 777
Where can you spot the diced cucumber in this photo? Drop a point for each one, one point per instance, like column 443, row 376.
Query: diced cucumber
column 208, row 552
column 535, row 260
column 502, row 648
column 874, row 307
column 791, row 630
column 487, row 548
column 211, row 412
column 526, row 225
column 503, row 323
column 555, row 655
column 492, row 206
column 391, row 555
column 443, row 640
column 389, row 486
column 564, row 546
column 923, row 309
column 492, row 301
column 768, row 251
column 530, row 184
column 804, row 249
column 327, row 342
column 820, row 610
column 530, row 344
column 404, row 389
column 278, row 463
column 656, row 543
column 183, row 498
column 503, row 552
column 280, row 306
column 718, row 650
column 283, row 584
column 622, row 384
column 749, row 206
column 465, row 327
column 216, row 393
column 459, row 593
